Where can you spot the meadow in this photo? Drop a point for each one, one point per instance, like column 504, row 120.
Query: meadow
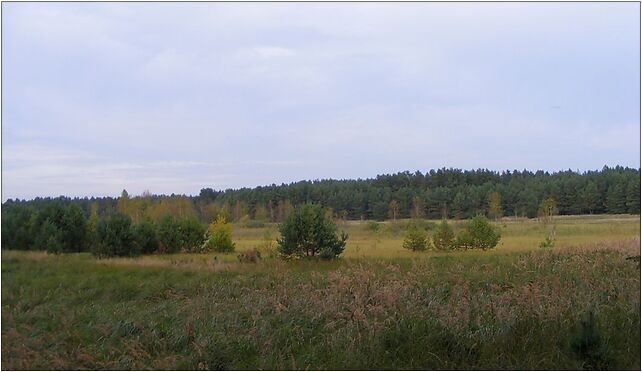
column 518, row 306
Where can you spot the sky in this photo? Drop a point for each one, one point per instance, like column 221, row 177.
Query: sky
column 172, row 98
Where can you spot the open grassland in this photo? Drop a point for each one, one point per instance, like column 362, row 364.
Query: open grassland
column 517, row 234
column 576, row 306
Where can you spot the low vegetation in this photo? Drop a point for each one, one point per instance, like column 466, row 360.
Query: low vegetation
column 561, row 308
column 400, row 294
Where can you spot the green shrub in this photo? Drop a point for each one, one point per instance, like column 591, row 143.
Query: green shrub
column 463, row 240
column 478, row 233
column 92, row 224
column 16, row 227
column 443, row 239
column 49, row 238
column 73, row 229
column 69, row 234
column 308, row 231
column 587, row 344
column 416, row 239
column 219, row 238
column 549, row 241
column 115, row 237
column 169, row 235
column 146, row 237
column 191, row 235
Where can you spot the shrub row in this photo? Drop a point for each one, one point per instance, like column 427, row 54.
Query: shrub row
column 116, row 236
column 476, row 233
column 59, row 228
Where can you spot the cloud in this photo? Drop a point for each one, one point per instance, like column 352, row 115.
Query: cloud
column 175, row 97
column 272, row 52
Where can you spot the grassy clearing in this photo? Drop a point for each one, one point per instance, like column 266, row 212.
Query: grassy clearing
column 517, row 307
column 517, row 235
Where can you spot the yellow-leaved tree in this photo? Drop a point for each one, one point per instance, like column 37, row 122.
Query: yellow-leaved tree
column 219, row 236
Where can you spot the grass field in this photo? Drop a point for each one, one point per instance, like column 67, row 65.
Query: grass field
column 575, row 306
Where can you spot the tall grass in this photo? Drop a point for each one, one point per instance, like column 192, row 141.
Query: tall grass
column 562, row 308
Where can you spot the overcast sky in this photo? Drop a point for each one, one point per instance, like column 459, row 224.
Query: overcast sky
column 176, row 97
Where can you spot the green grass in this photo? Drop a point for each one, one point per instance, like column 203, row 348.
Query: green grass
column 379, row 307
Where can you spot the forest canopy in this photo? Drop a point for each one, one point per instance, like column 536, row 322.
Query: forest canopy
column 451, row 193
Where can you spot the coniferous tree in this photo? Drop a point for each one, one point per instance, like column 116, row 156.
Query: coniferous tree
column 308, row 232
column 169, row 234
column 633, row 196
column 616, row 199
column 415, row 239
column 444, row 237
column 115, row 237
column 145, row 236
column 590, row 197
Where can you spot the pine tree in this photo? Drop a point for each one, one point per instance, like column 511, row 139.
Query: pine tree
column 459, row 205
column 415, row 239
column 443, row 238
column 308, row 232
column 616, row 199
column 633, row 196
column 590, row 197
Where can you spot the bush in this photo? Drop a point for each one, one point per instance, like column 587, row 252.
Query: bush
column 115, row 237
column 444, row 238
column 146, row 237
column 191, row 235
column 588, row 346
column 169, row 235
column 478, row 233
column 416, row 239
column 549, row 241
column 73, row 229
column 308, row 231
column 63, row 227
column 463, row 240
column 49, row 238
column 91, row 238
column 16, row 227
column 219, row 237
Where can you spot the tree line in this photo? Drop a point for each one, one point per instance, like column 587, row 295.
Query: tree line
column 449, row 193
column 60, row 228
